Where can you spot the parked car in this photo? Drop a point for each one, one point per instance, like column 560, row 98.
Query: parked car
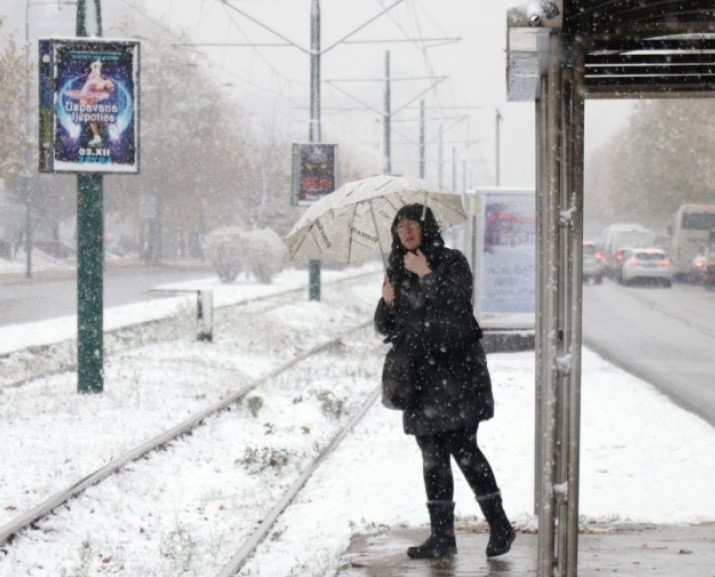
column 593, row 262
column 646, row 264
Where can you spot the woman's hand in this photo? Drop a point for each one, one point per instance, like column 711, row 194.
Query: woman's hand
column 417, row 263
column 388, row 292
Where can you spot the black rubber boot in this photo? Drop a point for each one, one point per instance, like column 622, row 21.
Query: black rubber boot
column 501, row 534
column 441, row 542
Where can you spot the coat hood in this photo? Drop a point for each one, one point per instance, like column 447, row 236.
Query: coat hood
column 432, row 241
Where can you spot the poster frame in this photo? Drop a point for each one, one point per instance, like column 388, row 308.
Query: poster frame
column 299, row 196
column 62, row 151
column 495, row 313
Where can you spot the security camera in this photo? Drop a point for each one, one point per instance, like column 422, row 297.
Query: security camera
column 538, row 11
column 535, row 13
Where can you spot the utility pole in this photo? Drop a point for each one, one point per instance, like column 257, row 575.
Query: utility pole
column 422, row 138
column 315, row 54
column 314, row 265
column 497, row 146
column 454, row 169
column 28, row 199
column 90, row 258
column 386, row 119
column 440, row 160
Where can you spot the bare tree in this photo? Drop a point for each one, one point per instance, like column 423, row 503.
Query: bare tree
column 662, row 159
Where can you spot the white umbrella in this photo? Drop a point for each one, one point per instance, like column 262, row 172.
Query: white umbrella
column 353, row 223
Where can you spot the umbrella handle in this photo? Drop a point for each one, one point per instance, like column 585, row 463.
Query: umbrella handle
column 379, row 237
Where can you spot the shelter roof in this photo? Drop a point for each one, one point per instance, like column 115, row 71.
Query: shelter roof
column 633, row 48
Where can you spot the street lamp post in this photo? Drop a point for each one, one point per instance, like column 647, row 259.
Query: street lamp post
column 29, row 244
column 28, row 203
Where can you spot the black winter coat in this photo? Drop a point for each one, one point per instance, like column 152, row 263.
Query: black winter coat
column 432, row 319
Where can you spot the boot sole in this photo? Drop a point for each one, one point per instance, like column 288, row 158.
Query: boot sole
column 412, row 554
column 505, row 549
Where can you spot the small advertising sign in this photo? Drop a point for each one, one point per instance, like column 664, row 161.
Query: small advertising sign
column 314, row 172
column 506, row 258
column 89, row 102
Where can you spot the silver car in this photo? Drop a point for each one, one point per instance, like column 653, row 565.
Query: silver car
column 646, row 264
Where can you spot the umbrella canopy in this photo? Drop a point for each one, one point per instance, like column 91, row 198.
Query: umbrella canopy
column 353, row 223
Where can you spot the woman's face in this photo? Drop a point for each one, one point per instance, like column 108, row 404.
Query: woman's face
column 410, row 233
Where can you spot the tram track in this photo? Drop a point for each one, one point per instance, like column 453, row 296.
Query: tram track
column 41, row 517
column 31, row 517
column 64, row 501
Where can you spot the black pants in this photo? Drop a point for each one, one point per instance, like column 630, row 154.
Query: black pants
column 436, row 466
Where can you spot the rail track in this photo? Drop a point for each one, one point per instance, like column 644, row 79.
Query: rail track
column 247, row 537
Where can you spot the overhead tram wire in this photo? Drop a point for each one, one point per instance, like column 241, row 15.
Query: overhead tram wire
column 264, row 59
column 454, row 98
column 201, row 53
column 424, row 50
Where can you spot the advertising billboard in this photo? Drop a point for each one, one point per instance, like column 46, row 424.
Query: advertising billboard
column 89, row 103
column 314, row 172
column 505, row 258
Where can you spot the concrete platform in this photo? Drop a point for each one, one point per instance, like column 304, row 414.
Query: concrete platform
column 629, row 550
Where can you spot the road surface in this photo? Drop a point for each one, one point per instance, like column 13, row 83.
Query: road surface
column 664, row 336
column 25, row 301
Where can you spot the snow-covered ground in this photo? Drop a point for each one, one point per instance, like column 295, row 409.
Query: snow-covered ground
column 182, row 511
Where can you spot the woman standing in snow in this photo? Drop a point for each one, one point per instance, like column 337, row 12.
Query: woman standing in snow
column 426, row 311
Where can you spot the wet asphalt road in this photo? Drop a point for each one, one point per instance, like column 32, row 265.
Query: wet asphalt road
column 38, row 299
column 664, row 336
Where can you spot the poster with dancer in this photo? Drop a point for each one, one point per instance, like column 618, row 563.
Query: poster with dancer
column 89, row 102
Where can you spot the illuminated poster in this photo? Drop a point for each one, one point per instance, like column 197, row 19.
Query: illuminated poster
column 89, row 97
column 314, row 172
column 507, row 254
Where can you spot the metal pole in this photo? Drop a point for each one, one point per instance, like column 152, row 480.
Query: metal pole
column 541, row 134
column 28, row 199
column 314, row 265
column 440, row 160
column 90, row 260
column 315, row 72
column 422, row 138
column 497, row 147
column 387, row 157
column 576, row 299
column 454, row 169
column 547, row 345
column 563, row 344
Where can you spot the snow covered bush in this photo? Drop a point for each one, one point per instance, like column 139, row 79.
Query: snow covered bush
column 265, row 254
column 232, row 250
column 224, row 248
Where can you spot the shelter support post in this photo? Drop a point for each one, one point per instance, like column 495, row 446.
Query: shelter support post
column 560, row 124
column 542, row 329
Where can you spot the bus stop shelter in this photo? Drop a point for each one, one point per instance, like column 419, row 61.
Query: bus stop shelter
column 559, row 53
